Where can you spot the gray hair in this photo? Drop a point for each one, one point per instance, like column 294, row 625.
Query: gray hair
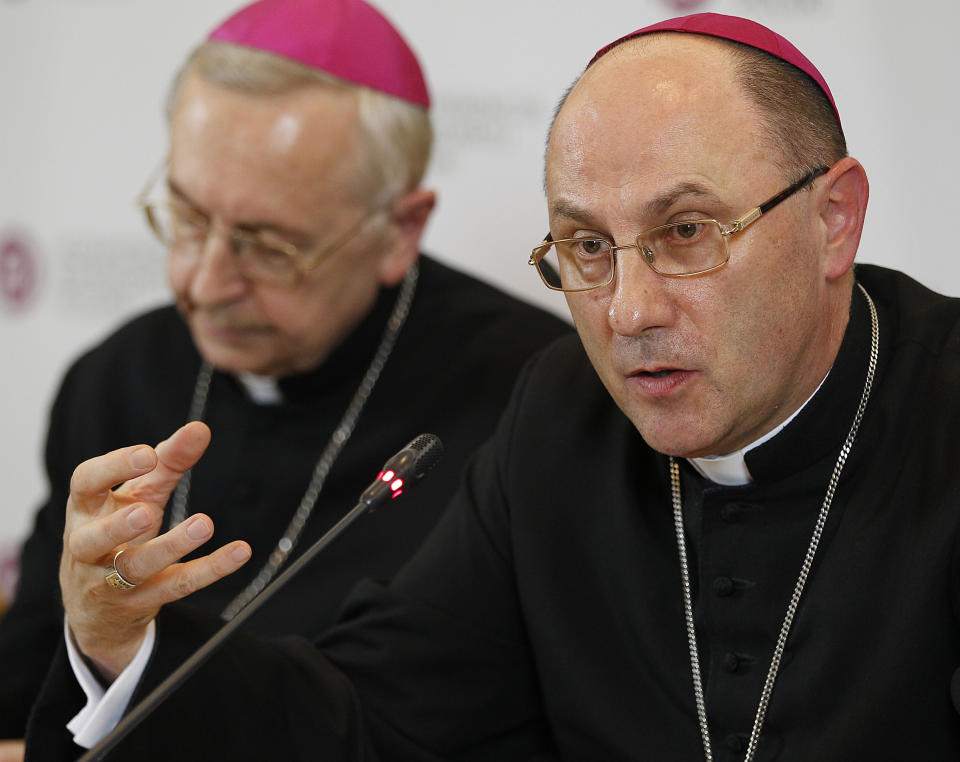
column 397, row 134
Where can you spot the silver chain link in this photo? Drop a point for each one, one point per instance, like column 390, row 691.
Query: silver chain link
column 804, row 569
column 335, row 444
column 201, row 389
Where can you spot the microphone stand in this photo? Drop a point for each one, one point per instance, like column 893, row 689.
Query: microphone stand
column 426, row 451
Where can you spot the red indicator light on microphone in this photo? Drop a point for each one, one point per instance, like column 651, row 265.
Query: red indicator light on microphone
column 386, row 476
column 397, row 484
column 396, row 494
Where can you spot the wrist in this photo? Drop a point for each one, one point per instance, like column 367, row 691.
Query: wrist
column 107, row 658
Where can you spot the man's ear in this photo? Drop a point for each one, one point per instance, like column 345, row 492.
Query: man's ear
column 408, row 216
column 843, row 207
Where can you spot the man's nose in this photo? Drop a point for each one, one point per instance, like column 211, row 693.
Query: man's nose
column 641, row 299
column 216, row 277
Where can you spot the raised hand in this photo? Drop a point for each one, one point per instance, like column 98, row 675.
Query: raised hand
column 104, row 520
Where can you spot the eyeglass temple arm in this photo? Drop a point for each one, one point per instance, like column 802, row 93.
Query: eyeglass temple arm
column 546, row 270
column 755, row 213
column 158, row 172
column 542, row 264
column 548, row 238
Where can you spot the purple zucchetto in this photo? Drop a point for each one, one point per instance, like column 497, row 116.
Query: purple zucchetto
column 346, row 38
column 738, row 30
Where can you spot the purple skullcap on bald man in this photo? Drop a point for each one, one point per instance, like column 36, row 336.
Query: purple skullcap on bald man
column 739, row 30
column 346, row 38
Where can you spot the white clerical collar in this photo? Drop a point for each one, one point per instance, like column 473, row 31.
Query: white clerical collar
column 263, row 390
column 731, row 470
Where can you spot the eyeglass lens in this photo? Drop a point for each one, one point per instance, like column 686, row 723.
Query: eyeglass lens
column 678, row 248
column 186, row 234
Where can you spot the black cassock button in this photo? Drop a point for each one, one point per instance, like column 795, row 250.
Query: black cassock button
column 730, row 512
column 736, row 743
column 723, row 586
column 731, row 662
column 734, row 512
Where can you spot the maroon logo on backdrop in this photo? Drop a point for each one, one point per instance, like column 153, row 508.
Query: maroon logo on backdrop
column 18, row 271
column 685, row 6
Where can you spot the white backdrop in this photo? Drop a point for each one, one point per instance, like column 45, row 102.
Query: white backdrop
column 81, row 127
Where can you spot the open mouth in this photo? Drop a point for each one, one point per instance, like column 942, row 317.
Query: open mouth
column 660, row 382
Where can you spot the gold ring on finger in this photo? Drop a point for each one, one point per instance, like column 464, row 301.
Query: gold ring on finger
column 114, row 578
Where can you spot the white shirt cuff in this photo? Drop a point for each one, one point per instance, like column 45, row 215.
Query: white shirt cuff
column 104, row 708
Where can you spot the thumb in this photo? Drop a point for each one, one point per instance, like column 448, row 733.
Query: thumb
column 175, row 456
column 180, row 452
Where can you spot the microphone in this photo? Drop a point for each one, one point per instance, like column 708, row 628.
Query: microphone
column 407, row 467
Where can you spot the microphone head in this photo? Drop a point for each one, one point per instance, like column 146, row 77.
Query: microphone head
column 407, row 466
column 429, row 450
column 414, row 460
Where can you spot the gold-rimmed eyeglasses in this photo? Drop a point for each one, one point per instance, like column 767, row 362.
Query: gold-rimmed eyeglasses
column 260, row 255
column 676, row 250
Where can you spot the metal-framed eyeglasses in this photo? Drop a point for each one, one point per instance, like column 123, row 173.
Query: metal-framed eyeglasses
column 675, row 250
column 260, row 255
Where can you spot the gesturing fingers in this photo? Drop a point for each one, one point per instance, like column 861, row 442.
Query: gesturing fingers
column 139, row 564
column 91, row 541
column 93, row 479
column 180, row 580
column 154, row 562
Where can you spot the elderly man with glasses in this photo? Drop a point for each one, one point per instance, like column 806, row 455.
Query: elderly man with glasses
column 308, row 332
column 723, row 528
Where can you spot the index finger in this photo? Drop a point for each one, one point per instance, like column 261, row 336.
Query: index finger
column 93, row 479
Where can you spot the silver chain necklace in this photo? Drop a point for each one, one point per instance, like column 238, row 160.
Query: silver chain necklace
column 330, row 452
column 804, row 569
